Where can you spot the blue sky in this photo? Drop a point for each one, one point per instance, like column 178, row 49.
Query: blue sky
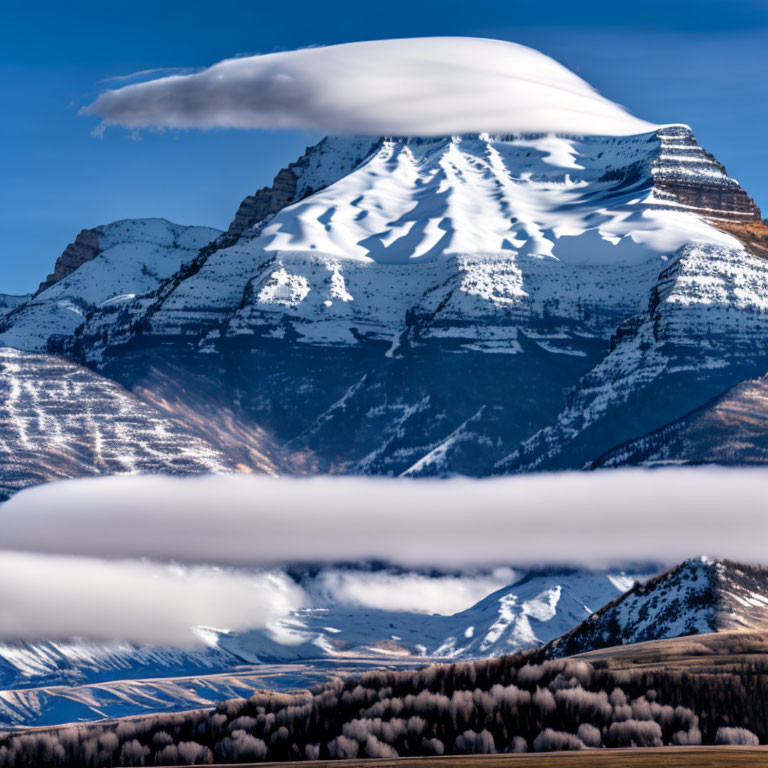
column 702, row 62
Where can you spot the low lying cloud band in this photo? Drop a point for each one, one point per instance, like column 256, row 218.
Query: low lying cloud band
column 595, row 518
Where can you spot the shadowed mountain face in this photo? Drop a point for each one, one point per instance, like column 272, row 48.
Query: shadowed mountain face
column 699, row 596
column 729, row 430
column 476, row 305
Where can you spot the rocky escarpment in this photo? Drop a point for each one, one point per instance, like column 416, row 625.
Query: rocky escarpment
column 309, row 173
column 83, row 249
column 689, row 178
column 265, row 203
column 752, row 234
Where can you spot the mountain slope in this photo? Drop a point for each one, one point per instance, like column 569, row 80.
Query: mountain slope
column 697, row 596
column 706, row 329
column 10, row 301
column 60, row 420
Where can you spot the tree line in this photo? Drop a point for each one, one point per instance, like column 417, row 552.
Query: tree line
column 514, row 703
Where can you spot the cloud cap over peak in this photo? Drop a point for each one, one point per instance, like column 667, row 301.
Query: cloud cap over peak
column 418, row 86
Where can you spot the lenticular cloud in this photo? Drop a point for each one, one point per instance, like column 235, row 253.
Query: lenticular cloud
column 421, row 86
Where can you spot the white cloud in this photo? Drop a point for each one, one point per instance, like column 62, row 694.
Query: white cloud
column 421, row 86
column 583, row 518
column 446, row 594
column 53, row 598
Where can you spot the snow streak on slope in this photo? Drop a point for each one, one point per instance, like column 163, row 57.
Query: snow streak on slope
column 59, row 420
column 470, row 238
column 420, row 86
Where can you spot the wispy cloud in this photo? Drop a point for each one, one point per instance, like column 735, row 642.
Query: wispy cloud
column 158, row 72
column 145, row 559
column 423, row 86
column 411, row 591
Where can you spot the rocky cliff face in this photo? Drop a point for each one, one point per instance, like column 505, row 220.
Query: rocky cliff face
column 752, row 235
column 687, row 177
column 83, row 249
column 315, row 167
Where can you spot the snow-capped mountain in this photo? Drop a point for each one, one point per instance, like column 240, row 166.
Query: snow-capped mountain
column 474, row 304
column 101, row 270
column 526, row 614
column 381, row 309
column 697, row 596
column 466, row 239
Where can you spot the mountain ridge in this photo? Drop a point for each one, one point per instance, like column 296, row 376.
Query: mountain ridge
column 697, row 596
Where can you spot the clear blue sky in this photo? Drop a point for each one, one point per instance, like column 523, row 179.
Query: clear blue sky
column 702, row 62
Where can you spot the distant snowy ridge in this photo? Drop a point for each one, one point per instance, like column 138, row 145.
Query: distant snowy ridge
column 355, row 615
column 695, row 597
column 102, row 270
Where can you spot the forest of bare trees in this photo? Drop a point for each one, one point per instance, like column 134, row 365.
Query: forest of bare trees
column 510, row 704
